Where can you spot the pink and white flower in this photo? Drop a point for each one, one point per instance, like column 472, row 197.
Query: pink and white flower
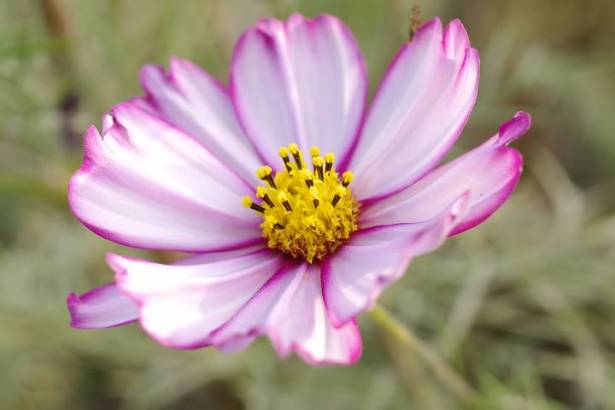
column 169, row 171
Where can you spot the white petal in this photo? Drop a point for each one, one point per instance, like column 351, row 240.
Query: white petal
column 146, row 184
column 355, row 276
column 489, row 172
column 192, row 100
column 103, row 307
column 181, row 305
column 419, row 110
column 290, row 309
column 300, row 81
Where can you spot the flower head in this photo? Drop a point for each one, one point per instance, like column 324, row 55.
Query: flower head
column 307, row 212
column 298, row 204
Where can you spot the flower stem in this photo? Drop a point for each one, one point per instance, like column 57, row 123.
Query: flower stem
column 402, row 334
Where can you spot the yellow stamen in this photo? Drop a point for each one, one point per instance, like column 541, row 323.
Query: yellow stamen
column 283, row 198
column 309, row 213
column 340, row 191
column 264, row 173
column 261, row 192
column 314, row 193
column 347, row 178
column 294, row 150
column 284, row 154
column 329, row 160
column 307, row 176
column 318, row 163
column 248, row 203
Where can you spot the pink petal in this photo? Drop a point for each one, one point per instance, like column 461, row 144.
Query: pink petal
column 146, row 184
column 456, row 40
column 102, row 307
column 181, row 305
column 512, row 129
column 419, row 111
column 191, row 99
column 236, row 345
column 303, row 80
column 354, row 277
column 490, row 172
column 290, row 309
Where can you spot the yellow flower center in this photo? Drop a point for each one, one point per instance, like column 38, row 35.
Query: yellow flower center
column 307, row 213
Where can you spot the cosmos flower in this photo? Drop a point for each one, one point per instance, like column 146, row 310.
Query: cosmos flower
column 297, row 204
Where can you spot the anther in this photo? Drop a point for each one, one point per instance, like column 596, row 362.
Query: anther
column 284, row 154
column 314, row 151
column 338, row 195
column 283, row 198
column 271, row 221
column 314, row 193
column 317, row 161
column 294, row 150
column 307, row 177
column 248, row 203
column 329, row 159
column 264, row 173
column 262, row 193
column 347, row 178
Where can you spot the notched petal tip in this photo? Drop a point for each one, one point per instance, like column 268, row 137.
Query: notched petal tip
column 351, row 339
column 455, row 39
column 176, row 62
column 92, row 140
column 126, row 110
column 107, row 123
column 429, row 31
column 295, row 19
column 430, row 27
column 514, row 128
column 152, row 76
column 270, row 26
column 113, row 261
column 182, row 72
column 119, row 265
column 100, row 308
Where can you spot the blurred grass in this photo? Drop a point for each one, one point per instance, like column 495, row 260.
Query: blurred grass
column 523, row 306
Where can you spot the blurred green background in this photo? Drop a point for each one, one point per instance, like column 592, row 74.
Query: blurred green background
column 523, row 307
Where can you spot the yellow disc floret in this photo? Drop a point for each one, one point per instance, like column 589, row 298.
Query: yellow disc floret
column 307, row 213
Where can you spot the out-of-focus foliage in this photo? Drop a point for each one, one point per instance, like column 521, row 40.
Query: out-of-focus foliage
column 522, row 307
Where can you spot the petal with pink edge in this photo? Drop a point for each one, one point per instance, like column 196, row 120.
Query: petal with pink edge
column 192, row 100
column 146, row 184
column 354, row 277
column 181, row 305
column 419, row 111
column 100, row 308
column 303, row 81
column 290, row 309
column 490, row 172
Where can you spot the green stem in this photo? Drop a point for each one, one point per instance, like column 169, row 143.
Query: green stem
column 447, row 376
